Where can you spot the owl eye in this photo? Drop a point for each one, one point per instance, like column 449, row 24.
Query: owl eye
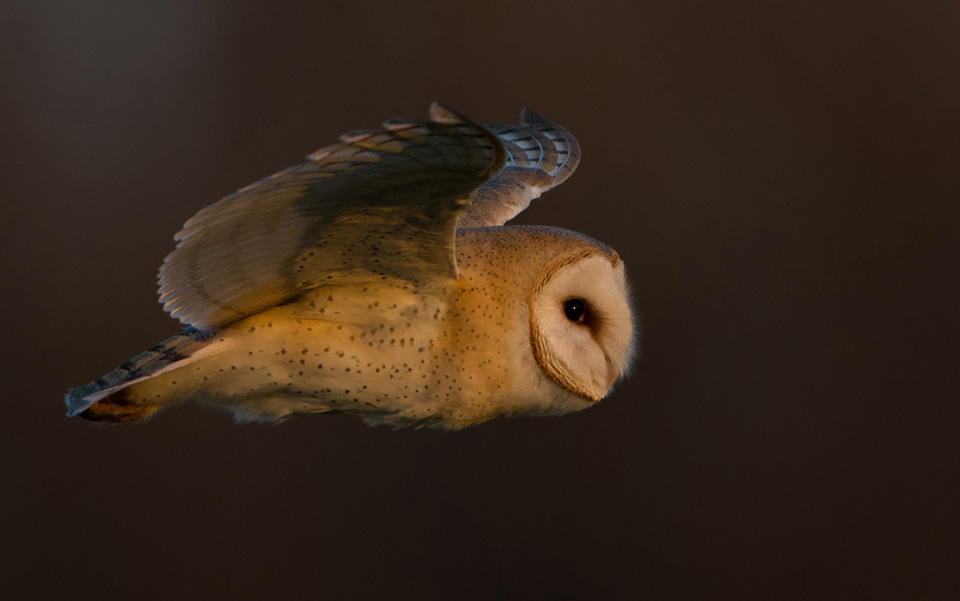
column 575, row 309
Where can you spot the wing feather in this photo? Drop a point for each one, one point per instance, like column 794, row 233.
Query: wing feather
column 381, row 204
column 540, row 155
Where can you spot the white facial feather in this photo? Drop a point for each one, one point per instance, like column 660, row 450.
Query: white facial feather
column 584, row 356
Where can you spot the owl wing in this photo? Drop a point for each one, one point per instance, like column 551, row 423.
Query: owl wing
column 382, row 204
column 540, row 155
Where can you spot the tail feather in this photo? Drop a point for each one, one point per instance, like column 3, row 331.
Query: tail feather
column 108, row 398
column 114, row 407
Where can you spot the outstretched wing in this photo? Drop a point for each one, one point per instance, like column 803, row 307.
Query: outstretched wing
column 382, row 204
column 540, row 155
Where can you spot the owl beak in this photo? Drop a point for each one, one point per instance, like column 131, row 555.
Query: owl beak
column 613, row 372
column 603, row 383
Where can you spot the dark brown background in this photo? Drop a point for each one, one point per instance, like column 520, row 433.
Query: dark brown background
column 780, row 177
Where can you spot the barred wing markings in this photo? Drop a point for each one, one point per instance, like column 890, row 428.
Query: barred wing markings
column 540, row 155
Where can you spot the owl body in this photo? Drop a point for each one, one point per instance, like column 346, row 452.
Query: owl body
column 518, row 320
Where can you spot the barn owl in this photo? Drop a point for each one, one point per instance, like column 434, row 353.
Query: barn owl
column 377, row 279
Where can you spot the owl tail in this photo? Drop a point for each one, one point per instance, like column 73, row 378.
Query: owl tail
column 120, row 395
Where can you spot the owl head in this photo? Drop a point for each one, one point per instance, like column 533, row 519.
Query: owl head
column 566, row 298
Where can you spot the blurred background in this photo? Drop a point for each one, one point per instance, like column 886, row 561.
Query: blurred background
column 780, row 177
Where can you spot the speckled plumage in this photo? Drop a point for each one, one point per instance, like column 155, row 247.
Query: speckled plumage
column 344, row 285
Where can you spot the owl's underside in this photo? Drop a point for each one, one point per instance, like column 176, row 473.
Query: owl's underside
column 345, row 286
